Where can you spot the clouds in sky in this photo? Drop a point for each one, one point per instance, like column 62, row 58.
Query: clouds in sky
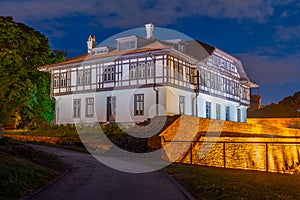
column 271, row 70
column 272, row 59
column 132, row 13
column 287, row 33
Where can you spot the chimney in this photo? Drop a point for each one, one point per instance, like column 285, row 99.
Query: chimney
column 149, row 30
column 91, row 43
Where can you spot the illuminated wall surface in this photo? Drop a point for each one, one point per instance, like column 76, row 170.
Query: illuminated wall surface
column 263, row 147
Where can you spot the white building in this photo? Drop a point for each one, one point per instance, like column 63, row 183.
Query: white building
column 144, row 77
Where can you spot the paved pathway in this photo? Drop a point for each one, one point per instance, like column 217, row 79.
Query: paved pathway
column 89, row 179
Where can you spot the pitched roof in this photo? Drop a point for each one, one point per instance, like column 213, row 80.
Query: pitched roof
column 87, row 56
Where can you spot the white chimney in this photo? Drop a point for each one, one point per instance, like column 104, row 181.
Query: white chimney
column 91, row 43
column 149, row 30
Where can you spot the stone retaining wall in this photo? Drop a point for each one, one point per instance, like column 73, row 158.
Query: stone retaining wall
column 253, row 153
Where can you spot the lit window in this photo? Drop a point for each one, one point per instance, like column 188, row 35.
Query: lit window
column 89, row 107
column 138, row 104
column 76, row 108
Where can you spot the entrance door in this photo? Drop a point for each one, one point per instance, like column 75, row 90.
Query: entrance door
column 111, row 109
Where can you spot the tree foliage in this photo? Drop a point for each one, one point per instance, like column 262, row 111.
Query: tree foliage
column 24, row 90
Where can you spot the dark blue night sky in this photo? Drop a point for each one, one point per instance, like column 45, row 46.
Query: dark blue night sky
column 265, row 35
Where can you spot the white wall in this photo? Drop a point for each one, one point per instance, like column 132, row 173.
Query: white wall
column 168, row 105
column 124, row 105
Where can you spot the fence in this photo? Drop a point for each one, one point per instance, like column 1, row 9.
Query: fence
column 263, row 156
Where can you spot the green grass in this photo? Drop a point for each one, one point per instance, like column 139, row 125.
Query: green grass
column 24, row 170
column 218, row 183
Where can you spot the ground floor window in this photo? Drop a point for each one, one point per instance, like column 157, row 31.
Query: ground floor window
column 138, row 104
column 89, row 107
column 76, row 108
column 227, row 113
column 181, row 104
column 239, row 115
column 218, row 111
column 111, row 108
column 208, row 109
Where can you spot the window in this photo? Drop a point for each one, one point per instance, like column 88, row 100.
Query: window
column 127, row 45
column 138, row 104
column 89, row 107
column 76, row 108
column 80, row 77
column 193, row 78
column 208, row 109
column 180, row 71
column 141, row 70
column 111, row 108
column 227, row 113
column 239, row 115
column 181, row 104
column 150, row 69
column 87, row 76
column 176, row 69
column 63, row 79
column 133, row 71
column 84, row 77
column 218, row 111
column 109, row 74
column 56, row 80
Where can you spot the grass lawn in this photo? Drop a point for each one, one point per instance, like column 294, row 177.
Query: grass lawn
column 218, row 183
column 24, row 170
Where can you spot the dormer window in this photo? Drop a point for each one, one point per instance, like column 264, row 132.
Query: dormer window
column 99, row 50
column 127, row 43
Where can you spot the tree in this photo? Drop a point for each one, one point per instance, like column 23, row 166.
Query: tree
column 24, row 90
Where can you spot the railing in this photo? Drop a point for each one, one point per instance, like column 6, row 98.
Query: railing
column 282, row 158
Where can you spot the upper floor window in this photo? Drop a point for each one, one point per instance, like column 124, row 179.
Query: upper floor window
column 80, row 77
column 127, row 45
column 63, row 79
column 56, row 80
column 109, row 74
column 87, row 76
column 84, row 77
column 133, row 71
column 150, row 69
column 141, row 70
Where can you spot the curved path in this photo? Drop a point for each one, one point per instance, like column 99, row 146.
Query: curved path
column 89, row 179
